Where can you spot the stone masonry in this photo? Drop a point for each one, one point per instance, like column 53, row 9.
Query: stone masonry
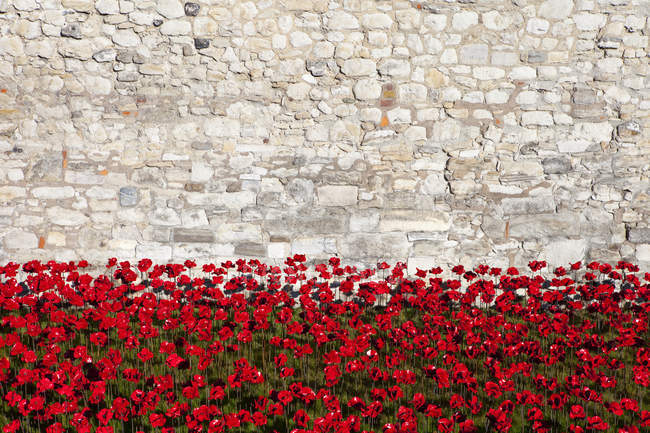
column 433, row 132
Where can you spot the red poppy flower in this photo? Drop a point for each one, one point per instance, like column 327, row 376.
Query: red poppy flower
column 645, row 418
column 174, row 360
column 445, row 425
column 301, row 418
column 12, row 427
column 492, row 390
column 104, row 416
column 157, row 419
column 577, row 411
column 596, row 423
column 259, row 418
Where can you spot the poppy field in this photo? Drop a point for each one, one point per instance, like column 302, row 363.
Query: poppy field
column 248, row 347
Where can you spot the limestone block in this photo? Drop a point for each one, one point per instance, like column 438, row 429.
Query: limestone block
column 359, row 67
column 462, row 21
column 19, row 239
column 643, row 252
column 563, row 252
column 65, row 217
column 640, row 235
column 191, row 218
column 107, row 7
column 556, row 9
column 341, row 20
column 164, row 217
column 411, row 221
column 175, row 27
column 337, row 195
column 170, row 8
column 540, row 118
column 474, row 54
column 528, row 205
column 156, row 252
column 53, row 192
column 376, row 21
column 365, row 89
column 373, row 245
column 495, row 20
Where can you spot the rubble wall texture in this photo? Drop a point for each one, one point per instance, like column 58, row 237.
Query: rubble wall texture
column 433, row 132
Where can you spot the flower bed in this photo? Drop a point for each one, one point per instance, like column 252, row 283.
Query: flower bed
column 249, row 347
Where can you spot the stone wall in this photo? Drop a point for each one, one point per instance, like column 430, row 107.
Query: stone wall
column 438, row 132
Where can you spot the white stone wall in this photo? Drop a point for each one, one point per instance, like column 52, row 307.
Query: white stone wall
column 433, row 132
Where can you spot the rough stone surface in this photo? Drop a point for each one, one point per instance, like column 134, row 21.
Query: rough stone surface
column 337, row 195
column 128, row 196
column 562, row 252
column 19, row 240
column 185, row 235
column 484, row 130
column 639, row 235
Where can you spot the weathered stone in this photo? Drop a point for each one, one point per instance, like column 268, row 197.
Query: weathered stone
column 556, row 165
column 191, row 9
column 366, row 89
column 127, row 76
column 376, row 21
column 340, row 20
column 535, row 57
column 19, row 239
column 494, row 20
column 65, row 217
column 359, row 67
column 640, row 235
column 250, row 249
column 107, row 55
column 628, row 129
column 186, row 235
column 159, row 253
column 564, row 252
column 528, row 205
column 301, row 190
column 164, row 217
column 371, row 245
column 556, row 9
column 412, row 221
column 201, row 43
column 128, row 196
column 222, row 127
column 72, row 30
column 434, row 184
column 151, row 69
column 337, row 195
column 107, row 7
column 583, row 96
column 175, row 27
column 53, row 192
column 541, row 118
column 191, row 218
column 170, row 8
column 462, row 21
column 643, row 252
column 395, row 68
column 25, row 5
column 79, row 5
column 76, row 49
column 474, row 54
column 300, row 39
column 126, row 38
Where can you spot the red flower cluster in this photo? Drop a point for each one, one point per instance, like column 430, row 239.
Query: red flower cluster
column 250, row 347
